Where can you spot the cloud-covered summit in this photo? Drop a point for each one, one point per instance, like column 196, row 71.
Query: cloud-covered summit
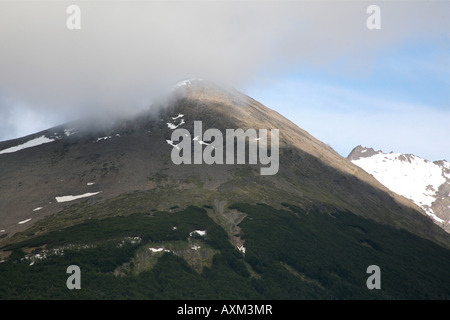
column 126, row 53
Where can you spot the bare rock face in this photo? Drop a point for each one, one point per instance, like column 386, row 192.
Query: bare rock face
column 361, row 152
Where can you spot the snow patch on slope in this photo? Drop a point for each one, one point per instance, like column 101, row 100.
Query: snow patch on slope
column 201, row 233
column 241, row 249
column 172, row 144
column 103, row 138
column 24, row 221
column 71, row 198
column 158, row 250
column 29, row 144
column 178, row 116
column 174, row 126
column 69, row 132
column 188, row 82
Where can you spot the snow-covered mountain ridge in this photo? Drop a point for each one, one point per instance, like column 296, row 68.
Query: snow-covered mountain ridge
column 424, row 182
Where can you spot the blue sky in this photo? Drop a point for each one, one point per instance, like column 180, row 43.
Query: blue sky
column 400, row 102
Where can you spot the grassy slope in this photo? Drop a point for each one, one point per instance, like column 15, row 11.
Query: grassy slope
column 290, row 254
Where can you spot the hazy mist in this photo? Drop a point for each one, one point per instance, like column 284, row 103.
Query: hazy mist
column 127, row 53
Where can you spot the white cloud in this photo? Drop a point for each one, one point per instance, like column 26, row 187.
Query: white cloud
column 20, row 120
column 126, row 52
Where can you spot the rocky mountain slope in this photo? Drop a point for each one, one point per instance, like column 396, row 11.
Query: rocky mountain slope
column 107, row 160
column 108, row 197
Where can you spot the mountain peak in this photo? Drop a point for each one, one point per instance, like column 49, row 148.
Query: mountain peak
column 190, row 82
column 361, row 152
column 88, row 190
column 135, row 155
